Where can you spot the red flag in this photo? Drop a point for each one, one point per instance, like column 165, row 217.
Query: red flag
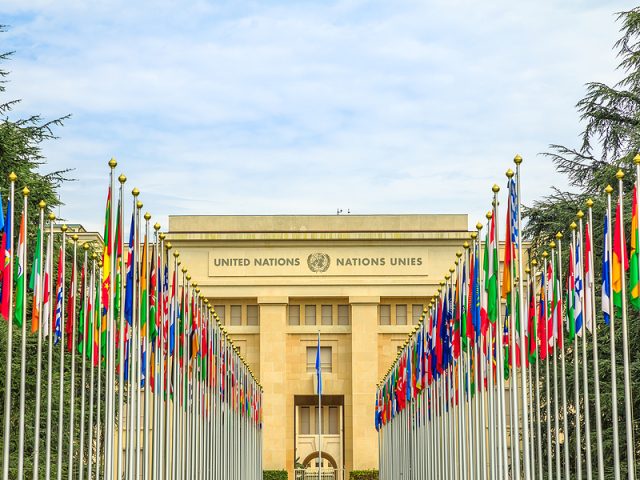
column 71, row 310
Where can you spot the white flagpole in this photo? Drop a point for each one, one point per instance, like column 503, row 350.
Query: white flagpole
column 596, row 366
column 612, row 335
column 23, row 353
column 7, row 382
column 61, row 369
column 72, row 387
column 534, row 264
column 99, row 423
column 319, row 379
column 585, row 375
column 628, row 409
column 119, row 455
column 576, row 358
column 92, row 368
column 52, row 217
column 111, row 332
column 147, row 354
column 557, row 325
column 523, row 350
column 549, row 395
column 38, row 300
column 85, row 346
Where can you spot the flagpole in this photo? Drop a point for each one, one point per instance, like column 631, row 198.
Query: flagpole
column 576, row 359
column 585, row 376
column 72, row 386
column 110, row 363
column 534, row 264
column 557, row 325
column 92, row 320
column 99, row 423
column 85, row 347
column 628, row 410
column 319, row 379
column 147, row 354
column 7, row 382
column 137, row 352
column 547, row 317
column 612, row 336
column 596, row 366
column 119, row 458
column 52, row 217
column 38, row 332
column 23, row 314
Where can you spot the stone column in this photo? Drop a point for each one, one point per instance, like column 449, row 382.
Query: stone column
column 273, row 323
column 364, row 376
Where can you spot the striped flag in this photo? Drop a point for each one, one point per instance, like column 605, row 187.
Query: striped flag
column 578, row 288
column 634, row 271
column 5, row 293
column 20, row 293
column 606, row 273
column 35, row 284
column 71, row 309
column 46, row 289
column 58, row 312
column 620, row 259
column 588, row 286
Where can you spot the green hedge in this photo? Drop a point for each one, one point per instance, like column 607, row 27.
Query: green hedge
column 364, row 475
column 274, row 475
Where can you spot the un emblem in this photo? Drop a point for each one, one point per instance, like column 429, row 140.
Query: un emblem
column 318, row 262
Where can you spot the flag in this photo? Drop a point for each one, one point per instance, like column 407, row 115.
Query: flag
column 106, row 259
column 5, row 293
column 153, row 296
column 620, row 259
column 71, row 309
column 634, row 271
column 532, row 336
column 35, row 284
column 588, row 286
column 46, row 289
column 542, row 318
column 578, row 288
column 58, row 318
column 82, row 330
column 606, row 274
column 319, row 368
column 571, row 297
column 550, row 313
column 490, row 273
column 20, row 254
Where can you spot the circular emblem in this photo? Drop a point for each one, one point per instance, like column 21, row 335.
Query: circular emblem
column 318, row 262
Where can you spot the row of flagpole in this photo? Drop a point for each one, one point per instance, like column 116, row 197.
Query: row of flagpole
column 480, row 388
column 161, row 390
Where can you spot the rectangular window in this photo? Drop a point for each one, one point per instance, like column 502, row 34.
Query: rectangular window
column 326, row 361
column 327, row 315
column 401, row 314
column 253, row 315
column 343, row 315
column 385, row 314
column 305, row 421
column 294, row 314
column 416, row 312
column 236, row 315
column 220, row 311
column 334, row 421
column 309, row 314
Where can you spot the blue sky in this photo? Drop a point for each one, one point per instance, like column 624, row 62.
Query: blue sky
column 278, row 107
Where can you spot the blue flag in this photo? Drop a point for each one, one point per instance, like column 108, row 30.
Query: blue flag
column 319, row 367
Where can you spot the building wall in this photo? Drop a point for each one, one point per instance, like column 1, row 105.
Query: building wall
column 278, row 261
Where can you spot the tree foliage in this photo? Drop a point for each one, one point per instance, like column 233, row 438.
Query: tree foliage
column 609, row 142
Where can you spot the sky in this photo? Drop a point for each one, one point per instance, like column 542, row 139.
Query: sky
column 306, row 107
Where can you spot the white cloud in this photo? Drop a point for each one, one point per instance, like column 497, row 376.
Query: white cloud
column 301, row 107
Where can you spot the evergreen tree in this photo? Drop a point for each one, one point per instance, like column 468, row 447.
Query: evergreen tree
column 610, row 141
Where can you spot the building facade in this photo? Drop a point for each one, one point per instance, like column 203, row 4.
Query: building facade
column 359, row 281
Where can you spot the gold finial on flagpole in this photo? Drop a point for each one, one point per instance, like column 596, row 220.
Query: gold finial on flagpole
column 573, row 226
column 545, row 254
column 489, row 215
column 510, row 173
column 442, row 283
column 619, row 174
column 162, row 236
column 74, row 237
column 458, row 254
column 534, row 262
column 517, row 159
column 176, row 254
column 156, row 226
column 184, row 269
column 447, row 277
column 552, row 244
column 94, row 255
column 64, row 228
column 527, row 270
column 85, row 245
column 636, row 159
column 168, row 245
column 122, row 178
column 589, row 203
column 139, row 205
column 13, row 177
column 580, row 214
column 479, row 226
column 25, row 191
column 135, row 192
column 465, row 245
column 474, row 235
column 147, row 216
column 608, row 189
column 451, row 270
column 495, row 188
column 559, row 235
column 112, row 163
column 52, row 216
column 42, row 204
